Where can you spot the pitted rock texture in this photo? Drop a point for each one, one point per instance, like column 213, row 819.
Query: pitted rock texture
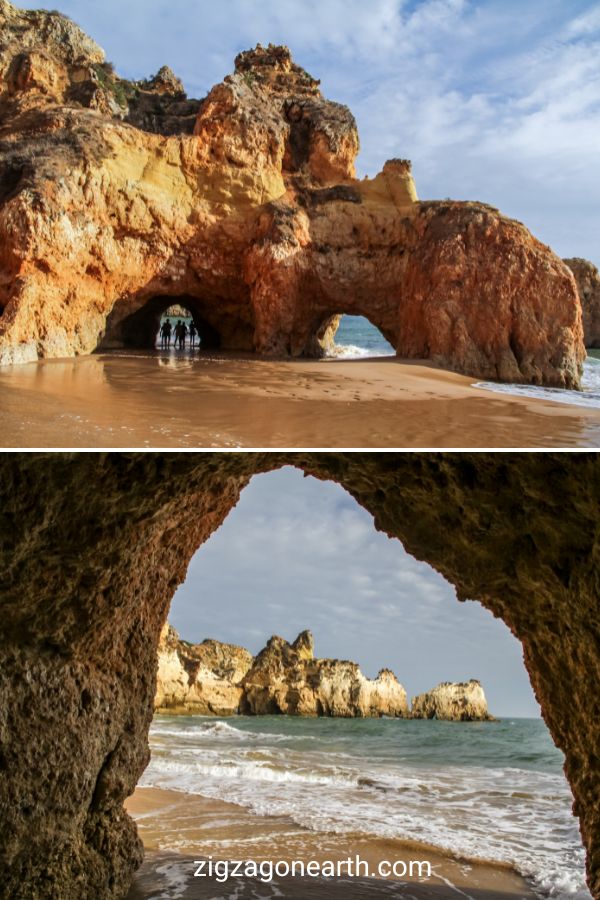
column 588, row 284
column 117, row 198
column 93, row 547
column 453, row 702
column 204, row 679
column 287, row 679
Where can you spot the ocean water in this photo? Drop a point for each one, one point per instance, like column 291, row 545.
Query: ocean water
column 356, row 338
column 589, row 395
column 492, row 791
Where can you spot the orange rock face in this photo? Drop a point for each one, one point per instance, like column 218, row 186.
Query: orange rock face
column 588, row 284
column 116, row 198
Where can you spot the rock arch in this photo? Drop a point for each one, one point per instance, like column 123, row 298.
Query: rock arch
column 94, row 545
column 105, row 194
column 136, row 325
column 322, row 333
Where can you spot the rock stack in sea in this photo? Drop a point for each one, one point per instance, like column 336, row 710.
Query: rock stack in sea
column 213, row 678
column 287, row 678
column 453, row 702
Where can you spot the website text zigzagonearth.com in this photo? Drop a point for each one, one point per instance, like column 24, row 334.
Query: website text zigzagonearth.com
column 224, row 869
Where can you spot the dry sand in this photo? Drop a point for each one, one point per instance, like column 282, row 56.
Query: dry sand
column 146, row 399
column 178, row 828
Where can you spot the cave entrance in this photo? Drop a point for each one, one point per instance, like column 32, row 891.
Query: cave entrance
column 138, row 324
column 350, row 336
column 163, row 323
column 94, row 550
column 179, row 330
column 356, row 335
column 265, row 724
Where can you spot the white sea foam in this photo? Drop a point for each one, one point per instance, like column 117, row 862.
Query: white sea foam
column 505, row 812
column 249, row 771
column 351, row 351
column 174, row 880
column 208, row 729
column 588, row 397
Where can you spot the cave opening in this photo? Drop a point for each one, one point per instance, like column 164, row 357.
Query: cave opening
column 346, row 335
column 359, row 332
column 176, row 323
column 212, row 322
column 315, row 562
column 96, row 547
column 180, row 329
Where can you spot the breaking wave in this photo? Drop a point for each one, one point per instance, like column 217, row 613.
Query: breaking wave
column 492, row 791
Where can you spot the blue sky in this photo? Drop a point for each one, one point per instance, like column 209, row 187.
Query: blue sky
column 496, row 101
column 299, row 553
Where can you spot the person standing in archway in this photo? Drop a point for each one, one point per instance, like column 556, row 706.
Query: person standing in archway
column 193, row 333
column 165, row 333
column 180, row 333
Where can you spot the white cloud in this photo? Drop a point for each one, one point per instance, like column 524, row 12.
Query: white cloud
column 493, row 100
column 587, row 23
column 317, row 562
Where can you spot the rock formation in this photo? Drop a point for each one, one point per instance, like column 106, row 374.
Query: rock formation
column 199, row 678
column 286, row 678
column 119, row 198
column 222, row 679
column 93, row 547
column 453, row 702
column 587, row 278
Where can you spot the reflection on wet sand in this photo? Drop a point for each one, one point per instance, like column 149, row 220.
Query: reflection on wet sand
column 168, row 399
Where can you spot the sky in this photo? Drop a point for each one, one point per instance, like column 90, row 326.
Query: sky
column 299, row 553
column 493, row 100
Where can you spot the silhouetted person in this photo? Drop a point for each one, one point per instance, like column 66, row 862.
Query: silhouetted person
column 193, row 333
column 180, row 333
column 165, row 334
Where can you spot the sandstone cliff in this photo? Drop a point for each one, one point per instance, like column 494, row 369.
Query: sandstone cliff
column 119, row 197
column 286, row 678
column 457, row 702
column 199, row 678
column 588, row 284
column 222, row 679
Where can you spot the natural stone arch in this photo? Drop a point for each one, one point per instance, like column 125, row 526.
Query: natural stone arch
column 105, row 192
column 139, row 328
column 322, row 331
column 94, row 546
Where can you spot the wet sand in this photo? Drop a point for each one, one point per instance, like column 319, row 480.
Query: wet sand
column 164, row 400
column 179, row 828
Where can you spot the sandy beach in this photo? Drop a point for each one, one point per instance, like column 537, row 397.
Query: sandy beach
column 178, row 828
column 162, row 400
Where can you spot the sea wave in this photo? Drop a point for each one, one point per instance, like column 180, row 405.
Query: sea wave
column 250, row 771
column 209, row 729
column 352, row 351
column 514, row 815
column 589, row 396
